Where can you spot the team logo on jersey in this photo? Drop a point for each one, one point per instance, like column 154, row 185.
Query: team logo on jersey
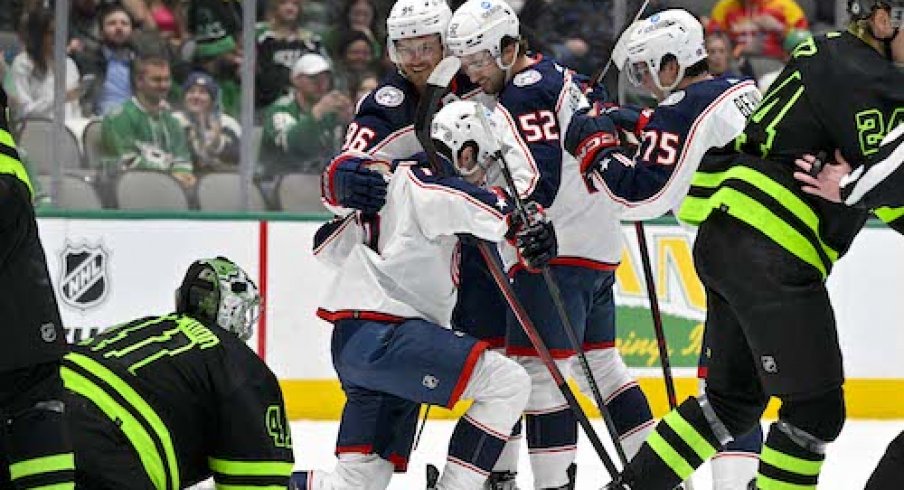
column 84, row 279
column 389, row 97
column 526, row 78
column 674, row 98
column 430, row 382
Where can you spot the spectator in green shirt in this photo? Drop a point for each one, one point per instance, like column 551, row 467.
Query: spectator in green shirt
column 302, row 129
column 142, row 133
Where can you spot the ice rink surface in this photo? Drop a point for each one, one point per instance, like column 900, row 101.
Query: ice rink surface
column 850, row 461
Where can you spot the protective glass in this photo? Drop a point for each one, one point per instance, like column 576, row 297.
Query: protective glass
column 476, row 61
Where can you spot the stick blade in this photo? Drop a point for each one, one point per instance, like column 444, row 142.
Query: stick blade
column 444, row 72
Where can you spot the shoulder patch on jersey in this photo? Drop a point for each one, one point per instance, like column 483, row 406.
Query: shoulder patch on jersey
column 526, row 78
column 389, row 96
column 674, row 98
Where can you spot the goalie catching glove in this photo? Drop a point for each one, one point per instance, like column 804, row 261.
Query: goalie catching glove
column 533, row 234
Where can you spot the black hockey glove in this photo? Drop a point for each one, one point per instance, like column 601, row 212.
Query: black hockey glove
column 358, row 187
column 534, row 236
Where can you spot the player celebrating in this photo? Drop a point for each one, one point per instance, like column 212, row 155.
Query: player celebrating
column 763, row 251
column 165, row 402
column 697, row 115
column 536, row 99
column 391, row 305
column 35, row 450
column 383, row 123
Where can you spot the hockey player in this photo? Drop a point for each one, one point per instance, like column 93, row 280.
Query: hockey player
column 383, row 123
column 536, row 99
column 763, row 251
column 391, row 305
column 697, row 115
column 165, row 402
column 35, row 449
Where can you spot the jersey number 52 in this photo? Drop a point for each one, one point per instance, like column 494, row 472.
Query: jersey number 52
column 538, row 126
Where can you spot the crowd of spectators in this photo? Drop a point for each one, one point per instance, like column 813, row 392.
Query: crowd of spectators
column 163, row 76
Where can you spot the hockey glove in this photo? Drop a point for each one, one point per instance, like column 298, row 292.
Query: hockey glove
column 534, row 236
column 629, row 118
column 587, row 136
column 357, row 185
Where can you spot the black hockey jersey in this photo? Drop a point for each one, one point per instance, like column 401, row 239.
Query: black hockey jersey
column 31, row 325
column 193, row 401
column 836, row 92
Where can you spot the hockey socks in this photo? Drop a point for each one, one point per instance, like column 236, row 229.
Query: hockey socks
column 632, row 417
column 790, row 458
column 735, row 466
column 552, row 438
column 473, row 451
column 681, row 442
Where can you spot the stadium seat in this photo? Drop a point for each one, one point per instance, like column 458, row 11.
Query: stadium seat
column 75, row 192
column 300, row 193
column 36, row 143
column 221, row 191
column 140, row 189
column 91, row 142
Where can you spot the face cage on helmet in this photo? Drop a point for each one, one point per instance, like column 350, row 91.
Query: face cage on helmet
column 238, row 311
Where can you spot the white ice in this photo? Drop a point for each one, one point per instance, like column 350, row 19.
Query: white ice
column 850, row 460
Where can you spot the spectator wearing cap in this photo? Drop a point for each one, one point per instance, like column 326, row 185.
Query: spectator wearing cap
column 109, row 65
column 221, row 60
column 280, row 42
column 142, row 133
column 303, row 128
column 213, row 137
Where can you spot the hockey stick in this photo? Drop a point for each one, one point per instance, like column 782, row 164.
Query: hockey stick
column 437, row 84
column 444, row 73
column 619, row 48
column 555, row 294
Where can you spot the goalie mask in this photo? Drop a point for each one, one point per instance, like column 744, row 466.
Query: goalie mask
column 218, row 292
column 457, row 127
column 672, row 32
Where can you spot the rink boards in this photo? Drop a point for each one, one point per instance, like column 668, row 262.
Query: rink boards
column 111, row 268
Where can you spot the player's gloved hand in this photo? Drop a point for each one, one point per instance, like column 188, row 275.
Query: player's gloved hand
column 630, row 118
column 598, row 94
column 588, row 135
column 357, row 184
column 534, row 236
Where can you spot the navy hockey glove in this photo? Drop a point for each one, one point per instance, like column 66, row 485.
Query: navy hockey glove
column 587, row 136
column 534, row 236
column 356, row 186
column 629, row 118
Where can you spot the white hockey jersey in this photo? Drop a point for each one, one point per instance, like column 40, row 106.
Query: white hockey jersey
column 410, row 270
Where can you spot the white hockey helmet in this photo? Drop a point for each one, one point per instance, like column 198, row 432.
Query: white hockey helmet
column 671, row 32
column 415, row 18
column 456, row 126
column 480, row 25
column 218, row 292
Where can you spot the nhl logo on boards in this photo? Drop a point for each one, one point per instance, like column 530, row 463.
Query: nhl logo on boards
column 389, row 96
column 430, row 382
column 84, row 279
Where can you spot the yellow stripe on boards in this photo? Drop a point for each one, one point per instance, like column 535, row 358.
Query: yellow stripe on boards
column 865, row 398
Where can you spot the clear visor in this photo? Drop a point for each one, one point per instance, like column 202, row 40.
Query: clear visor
column 409, row 50
column 636, row 72
column 476, row 61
